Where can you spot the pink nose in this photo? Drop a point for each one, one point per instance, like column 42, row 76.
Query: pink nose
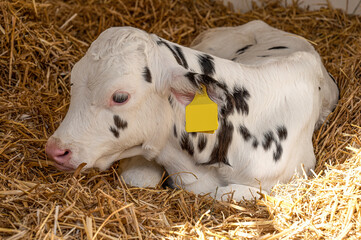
column 60, row 156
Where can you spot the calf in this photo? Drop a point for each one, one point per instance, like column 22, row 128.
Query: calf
column 130, row 91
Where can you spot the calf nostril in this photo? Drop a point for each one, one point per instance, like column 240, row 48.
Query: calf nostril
column 65, row 153
column 61, row 156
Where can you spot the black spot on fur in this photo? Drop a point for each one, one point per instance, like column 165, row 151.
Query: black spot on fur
column 167, row 181
column 339, row 96
column 234, row 59
column 228, row 108
column 170, row 100
column 282, row 133
column 224, row 138
column 237, row 100
column 268, row 139
column 255, row 142
column 277, row 47
column 207, row 80
column 175, row 131
column 161, row 42
column 244, row 132
column 114, row 131
column 241, row 95
column 192, row 78
column 186, row 144
column 194, row 134
column 181, row 56
column 120, row 123
column 197, row 80
column 319, row 88
column 242, row 50
column 278, row 153
column 264, row 56
column 207, row 64
column 333, row 79
column 202, row 142
column 146, row 74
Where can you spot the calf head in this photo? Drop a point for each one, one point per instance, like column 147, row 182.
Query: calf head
column 119, row 101
column 114, row 110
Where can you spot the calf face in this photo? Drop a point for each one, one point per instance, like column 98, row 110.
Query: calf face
column 114, row 111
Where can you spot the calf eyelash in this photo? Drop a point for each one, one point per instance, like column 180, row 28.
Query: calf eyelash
column 119, row 98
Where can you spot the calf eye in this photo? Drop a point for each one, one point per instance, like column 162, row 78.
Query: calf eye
column 120, row 97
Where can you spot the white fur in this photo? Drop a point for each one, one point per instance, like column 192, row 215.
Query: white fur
column 140, row 172
column 262, row 37
column 283, row 91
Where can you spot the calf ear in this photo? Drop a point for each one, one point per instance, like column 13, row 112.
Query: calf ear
column 185, row 84
column 180, row 82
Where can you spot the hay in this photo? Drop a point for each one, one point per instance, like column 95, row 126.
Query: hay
column 327, row 206
column 41, row 40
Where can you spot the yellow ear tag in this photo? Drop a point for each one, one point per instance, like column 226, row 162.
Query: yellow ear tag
column 202, row 114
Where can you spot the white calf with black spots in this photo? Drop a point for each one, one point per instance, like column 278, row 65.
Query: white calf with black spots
column 130, row 91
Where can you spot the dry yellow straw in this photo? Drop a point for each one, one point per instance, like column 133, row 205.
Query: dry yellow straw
column 39, row 44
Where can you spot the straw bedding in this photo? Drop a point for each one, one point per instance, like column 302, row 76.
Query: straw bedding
column 39, row 43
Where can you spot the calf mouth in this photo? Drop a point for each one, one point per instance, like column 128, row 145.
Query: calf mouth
column 63, row 168
column 70, row 169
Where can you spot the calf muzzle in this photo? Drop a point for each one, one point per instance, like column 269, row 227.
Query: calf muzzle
column 60, row 156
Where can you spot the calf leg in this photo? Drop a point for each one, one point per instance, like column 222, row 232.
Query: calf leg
column 238, row 192
column 140, row 172
column 209, row 184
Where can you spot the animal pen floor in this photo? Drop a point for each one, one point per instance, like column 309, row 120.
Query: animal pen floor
column 41, row 40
